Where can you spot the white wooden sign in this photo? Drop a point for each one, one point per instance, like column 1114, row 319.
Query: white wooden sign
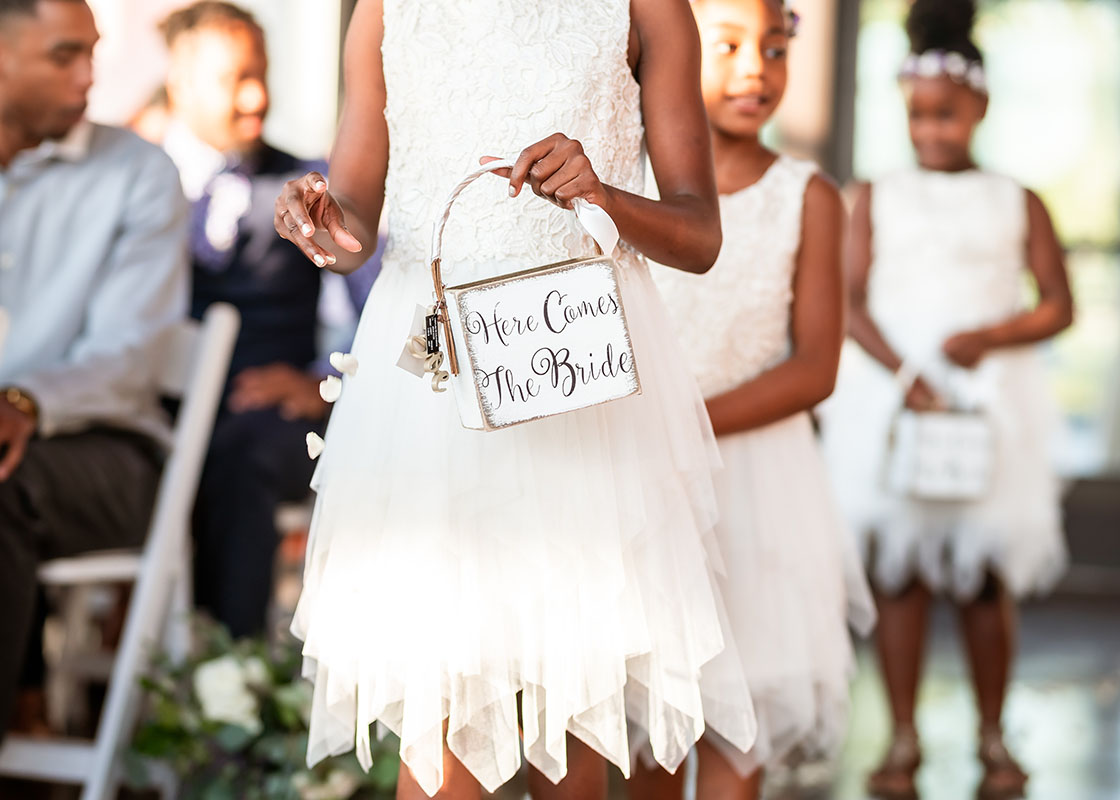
column 541, row 342
column 946, row 456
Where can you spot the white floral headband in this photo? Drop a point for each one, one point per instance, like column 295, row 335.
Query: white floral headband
column 957, row 67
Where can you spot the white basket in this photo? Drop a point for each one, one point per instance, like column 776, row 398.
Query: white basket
column 537, row 342
column 943, row 456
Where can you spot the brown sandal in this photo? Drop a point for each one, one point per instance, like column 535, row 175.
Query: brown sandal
column 894, row 779
column 1003, row 778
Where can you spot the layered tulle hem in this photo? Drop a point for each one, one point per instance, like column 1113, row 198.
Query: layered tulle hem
column 567, row 562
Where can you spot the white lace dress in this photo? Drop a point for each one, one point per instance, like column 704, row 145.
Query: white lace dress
column 792, row 579
column 449, row 570
column 949, row 256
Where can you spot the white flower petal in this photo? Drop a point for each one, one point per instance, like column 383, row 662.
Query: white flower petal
column 315, row 445
column 346, row 363
column 330, row 388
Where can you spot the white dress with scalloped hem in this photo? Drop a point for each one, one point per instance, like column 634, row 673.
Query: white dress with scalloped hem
column 792, row 579
column 950, row 256
column 566, row 562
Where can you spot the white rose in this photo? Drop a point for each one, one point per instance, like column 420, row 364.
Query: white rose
column 224, row 695
column 256, row 673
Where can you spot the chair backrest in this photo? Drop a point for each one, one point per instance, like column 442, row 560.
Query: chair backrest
column 194, row 365
column 196, row 361
column 3, row 329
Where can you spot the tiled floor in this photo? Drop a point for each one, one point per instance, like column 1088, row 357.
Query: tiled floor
column 1063, row 714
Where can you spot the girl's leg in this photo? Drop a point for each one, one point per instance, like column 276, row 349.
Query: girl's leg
column 901, row 637
column 586, row 778
column 988, row 625
column 458, row 783
column 655, row 783
column 716, row 779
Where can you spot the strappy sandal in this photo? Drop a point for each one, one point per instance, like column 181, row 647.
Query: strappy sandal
column 1003, row 778
column 894, row 779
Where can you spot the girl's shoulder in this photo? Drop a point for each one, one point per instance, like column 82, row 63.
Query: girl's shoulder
column 784, row 180
column 798, row 169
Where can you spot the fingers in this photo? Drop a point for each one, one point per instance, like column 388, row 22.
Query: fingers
column 566, row 185
column 16, row 447
column 335, row 223
column 294, row 213
column 555, row 168
column 505, row 172
column 531, row 155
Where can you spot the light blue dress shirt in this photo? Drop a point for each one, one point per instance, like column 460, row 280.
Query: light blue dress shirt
column 93, row 268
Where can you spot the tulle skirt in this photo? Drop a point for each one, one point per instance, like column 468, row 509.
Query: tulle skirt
column 569, row 561
column 793, row 584
column 1014, row 531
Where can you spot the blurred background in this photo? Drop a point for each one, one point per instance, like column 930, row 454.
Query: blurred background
column 1054, row 125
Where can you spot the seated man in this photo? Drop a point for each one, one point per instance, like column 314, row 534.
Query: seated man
column 92, row 270
column 217, row 101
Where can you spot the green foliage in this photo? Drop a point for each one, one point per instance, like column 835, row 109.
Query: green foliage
column 231, row 722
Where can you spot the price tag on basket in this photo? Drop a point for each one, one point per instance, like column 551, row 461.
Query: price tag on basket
column 536, row 342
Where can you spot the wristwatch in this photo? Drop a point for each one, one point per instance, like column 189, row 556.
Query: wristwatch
column 21, row 401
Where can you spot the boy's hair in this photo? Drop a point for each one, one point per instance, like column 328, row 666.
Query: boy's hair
column 944, row 25
column 24, row 7
column 206, row 14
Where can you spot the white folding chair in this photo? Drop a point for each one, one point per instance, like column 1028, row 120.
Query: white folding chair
column 3, row 328
column 195, row 364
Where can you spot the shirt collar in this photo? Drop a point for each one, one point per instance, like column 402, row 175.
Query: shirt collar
column 197, row 161
column 73, row 147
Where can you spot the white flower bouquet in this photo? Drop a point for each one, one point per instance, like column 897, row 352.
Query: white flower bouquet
column 231, row 722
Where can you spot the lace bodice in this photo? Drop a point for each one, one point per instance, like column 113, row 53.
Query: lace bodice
column 468, row 78
column 949, row 250
column 733, row 321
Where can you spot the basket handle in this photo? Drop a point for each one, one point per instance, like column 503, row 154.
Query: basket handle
column 593, row 218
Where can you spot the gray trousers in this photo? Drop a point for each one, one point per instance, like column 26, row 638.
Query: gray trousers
column 70, row 495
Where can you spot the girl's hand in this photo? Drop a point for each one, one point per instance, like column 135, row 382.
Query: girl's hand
column 558, row 170
column 304, row 208
column 922, row 397
column 966, row 349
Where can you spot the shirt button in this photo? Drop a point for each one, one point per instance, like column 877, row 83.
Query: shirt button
column 7, row 261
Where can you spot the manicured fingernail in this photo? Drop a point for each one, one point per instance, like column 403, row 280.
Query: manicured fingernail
column 512, row 192
column 320, row 261
column 306, row 230
column 320, row 186
column 331, row 259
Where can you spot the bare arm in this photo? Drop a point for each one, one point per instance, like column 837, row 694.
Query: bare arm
column 861, row 326
column 336, row 226
column 682, row 228
column 817, row 327
column 1053, row 312
column 858, row 260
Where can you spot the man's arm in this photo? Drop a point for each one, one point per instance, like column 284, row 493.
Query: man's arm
column 111, row 370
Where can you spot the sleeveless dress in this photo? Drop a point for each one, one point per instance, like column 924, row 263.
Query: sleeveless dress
column 949, row 256
column 792, row 577
column 565, row 560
